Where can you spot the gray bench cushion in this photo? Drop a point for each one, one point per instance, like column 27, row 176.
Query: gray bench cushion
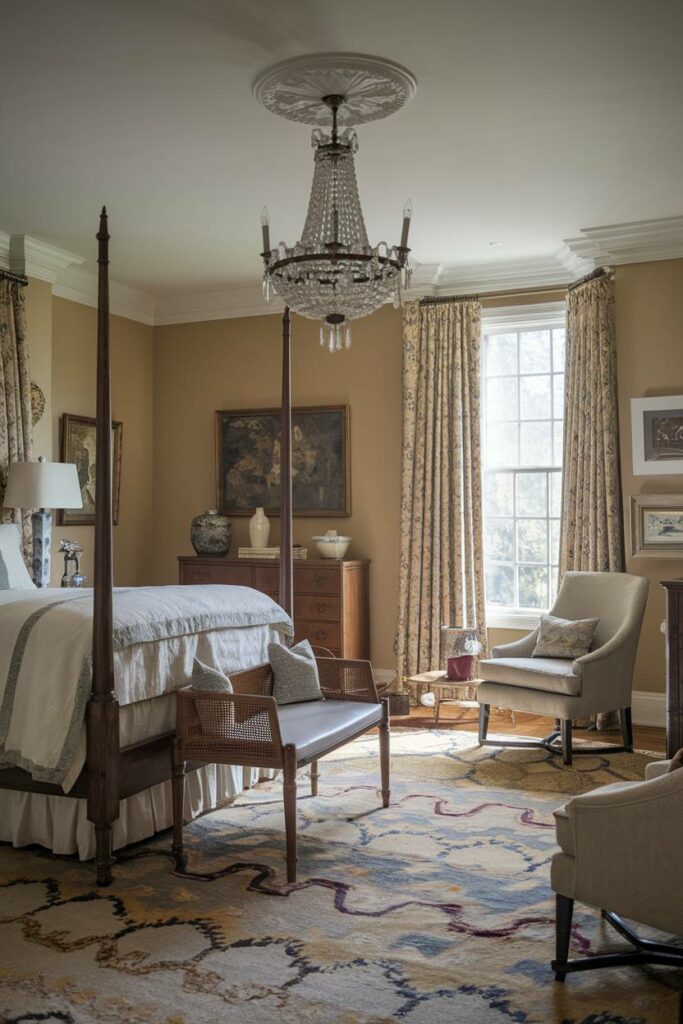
column 554, row 675
column 315, row 726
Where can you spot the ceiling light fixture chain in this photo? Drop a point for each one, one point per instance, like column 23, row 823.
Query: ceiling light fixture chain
column 332, row 273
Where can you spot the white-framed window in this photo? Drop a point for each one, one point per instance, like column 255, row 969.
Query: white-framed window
column 522, row 425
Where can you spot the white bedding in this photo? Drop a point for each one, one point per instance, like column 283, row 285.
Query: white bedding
column 146, row 671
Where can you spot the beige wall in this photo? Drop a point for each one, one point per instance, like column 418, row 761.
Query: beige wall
column 236, row 364
column 74, row 334
column 186, row 371
column 649, row 313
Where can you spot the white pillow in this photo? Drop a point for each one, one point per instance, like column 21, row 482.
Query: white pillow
column 13, row 572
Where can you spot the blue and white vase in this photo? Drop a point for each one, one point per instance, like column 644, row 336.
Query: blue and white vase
column 211, row 533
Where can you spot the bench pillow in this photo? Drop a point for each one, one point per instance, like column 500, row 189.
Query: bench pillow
column 209, row 679
column 564, row 638
column 13, row 572
column 295, row 673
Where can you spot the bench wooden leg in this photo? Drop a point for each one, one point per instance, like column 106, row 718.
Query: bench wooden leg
column 314, row 778
column 384, row 759
column 178, row 802
column 289, row 794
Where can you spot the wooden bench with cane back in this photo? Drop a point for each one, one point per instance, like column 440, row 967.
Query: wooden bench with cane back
column 248, row 727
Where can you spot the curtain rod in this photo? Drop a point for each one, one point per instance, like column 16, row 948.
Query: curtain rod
column 593, row 276
column 9, row 275
column 428, row 299
column 431, row 300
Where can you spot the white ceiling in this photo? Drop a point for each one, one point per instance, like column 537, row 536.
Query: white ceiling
column 533, row 119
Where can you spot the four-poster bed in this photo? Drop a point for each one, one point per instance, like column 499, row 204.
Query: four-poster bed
column 113, row 772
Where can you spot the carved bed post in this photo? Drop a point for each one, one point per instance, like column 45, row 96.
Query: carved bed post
column 286, row 562
column 103, row 709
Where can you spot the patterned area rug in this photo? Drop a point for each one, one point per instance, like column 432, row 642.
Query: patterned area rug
column 435, row 910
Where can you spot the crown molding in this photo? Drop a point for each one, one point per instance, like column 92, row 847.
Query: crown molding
column 30, row 256
column 219, row 305
column 81, row 286
column 635, row 242
column 639, row 241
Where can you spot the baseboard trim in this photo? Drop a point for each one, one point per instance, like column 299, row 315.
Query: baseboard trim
column 648, row 708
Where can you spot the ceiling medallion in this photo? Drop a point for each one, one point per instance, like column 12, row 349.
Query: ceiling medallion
column 332, row 273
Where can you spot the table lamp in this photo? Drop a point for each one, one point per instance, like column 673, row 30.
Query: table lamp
column 42, row 486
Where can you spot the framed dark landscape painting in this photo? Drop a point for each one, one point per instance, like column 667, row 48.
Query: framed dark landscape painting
column 248, row 461
column 77, row 445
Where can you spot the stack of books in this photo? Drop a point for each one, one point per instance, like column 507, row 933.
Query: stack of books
column 274, row 553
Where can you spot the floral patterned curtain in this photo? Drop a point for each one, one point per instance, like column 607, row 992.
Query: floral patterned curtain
column 442, row 564
column 16, row 428
column 592, row 531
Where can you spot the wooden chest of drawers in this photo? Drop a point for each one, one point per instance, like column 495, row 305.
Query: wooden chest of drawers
column 331, row 599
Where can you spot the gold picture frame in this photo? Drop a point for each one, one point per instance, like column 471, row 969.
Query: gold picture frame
column 77, row 445
column 656, row 526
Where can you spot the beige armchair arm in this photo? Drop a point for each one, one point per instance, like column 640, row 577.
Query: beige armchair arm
column 627, row 844
column 344, row 679
column 517, row 648
column 656, row 769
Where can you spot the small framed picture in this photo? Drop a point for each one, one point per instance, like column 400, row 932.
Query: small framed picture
column 77, row 445
column 657, row 431
column 656, row 527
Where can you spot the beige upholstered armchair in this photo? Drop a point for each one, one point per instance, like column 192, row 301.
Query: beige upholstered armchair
column 620, row 849
column 563, row 689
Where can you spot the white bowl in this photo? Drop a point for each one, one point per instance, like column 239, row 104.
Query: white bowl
column 332, row 546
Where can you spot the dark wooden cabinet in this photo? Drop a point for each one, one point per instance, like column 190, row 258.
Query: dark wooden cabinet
column 674, row 665
column 331, row 597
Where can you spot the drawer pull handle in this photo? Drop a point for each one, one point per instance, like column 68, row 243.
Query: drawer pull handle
column 321, row 607
column 321, row 634
column 320, row 581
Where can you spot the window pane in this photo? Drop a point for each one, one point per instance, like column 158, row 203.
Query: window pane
column 533, row 586
column 558, row 396
column 554, row 583
column 498, row 491
column 531, row 494
column 555, row 494
column 532, row 540
column 501, row 354
column 534, row 352
column 536, row 443
column 499, row 540
column 501, row 398
column 554, row 541
column 559, row 335
column 500, row 585
column 534, row 398
column 558, row 440
column 502, row 447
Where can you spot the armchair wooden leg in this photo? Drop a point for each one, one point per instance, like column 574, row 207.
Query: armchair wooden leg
column 563, row 923
column 626, row 729
column 314, row 778
column 484, row 711
column 289, row 794
column 178, row 802
column 384, row 753
column 566, row 731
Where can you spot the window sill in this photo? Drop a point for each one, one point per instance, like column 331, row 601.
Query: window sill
column 510, row 618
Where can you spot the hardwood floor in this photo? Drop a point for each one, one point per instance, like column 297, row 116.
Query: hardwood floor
column 645, row 737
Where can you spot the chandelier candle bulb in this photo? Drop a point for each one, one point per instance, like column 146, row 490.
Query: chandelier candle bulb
column 265, row 229
column 407, row 217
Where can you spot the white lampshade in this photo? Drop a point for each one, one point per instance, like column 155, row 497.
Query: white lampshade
column 43, row 485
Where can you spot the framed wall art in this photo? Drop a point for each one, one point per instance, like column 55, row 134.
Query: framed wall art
column 248, row 461
column 77, row 445
column 656, row 526
column 657, row 431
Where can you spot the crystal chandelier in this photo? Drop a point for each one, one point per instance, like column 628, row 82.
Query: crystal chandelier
column 332, row 273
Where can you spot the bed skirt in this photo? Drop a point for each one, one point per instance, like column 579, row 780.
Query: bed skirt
column 60, row 823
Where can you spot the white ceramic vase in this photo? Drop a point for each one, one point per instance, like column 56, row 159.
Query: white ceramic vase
column 259, row 529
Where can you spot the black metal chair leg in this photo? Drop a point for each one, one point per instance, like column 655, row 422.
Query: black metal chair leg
column 566, row 732
column 564, row 909
column 626, row 729
column 484, row 711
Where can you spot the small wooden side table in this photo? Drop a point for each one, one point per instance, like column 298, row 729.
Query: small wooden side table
column 446, row 692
